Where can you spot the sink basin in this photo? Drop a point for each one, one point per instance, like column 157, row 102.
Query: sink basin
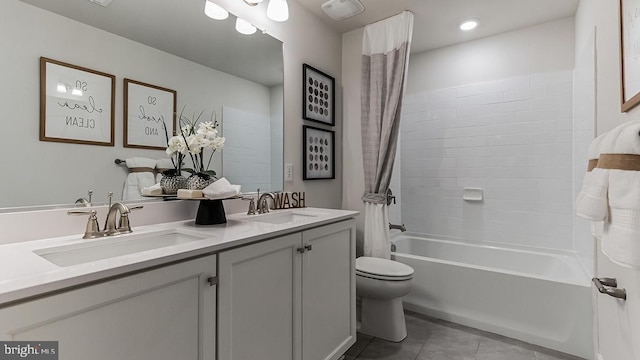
column 108, row 247
column 285, row 217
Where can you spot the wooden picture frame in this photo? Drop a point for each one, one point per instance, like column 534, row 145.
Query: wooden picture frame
column 319, row 153
column 76, row 104
column 149, row 115
column 318, row 96
column 629, row 59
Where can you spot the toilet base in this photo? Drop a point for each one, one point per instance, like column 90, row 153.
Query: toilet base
column 383, row 318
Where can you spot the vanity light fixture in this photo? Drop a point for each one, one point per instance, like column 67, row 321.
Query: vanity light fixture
column 215, row 11
column 278, row 10
column 76, row 92
column 61, row 88
column 469, row 24
column 244, row 27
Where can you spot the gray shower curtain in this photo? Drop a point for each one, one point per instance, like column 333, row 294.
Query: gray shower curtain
column 385, row 58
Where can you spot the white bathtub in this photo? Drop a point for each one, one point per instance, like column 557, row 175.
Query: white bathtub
column 542, row 298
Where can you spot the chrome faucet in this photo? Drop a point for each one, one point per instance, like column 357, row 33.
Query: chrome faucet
column 84, row 201
column 397, row 227
column 263, row 204
column 122, row 226
column 112, row 226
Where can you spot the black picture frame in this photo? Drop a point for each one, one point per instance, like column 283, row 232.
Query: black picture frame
column 318, row 96
column 319, row 153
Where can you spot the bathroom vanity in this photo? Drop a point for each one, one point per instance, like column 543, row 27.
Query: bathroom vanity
column 271, row 286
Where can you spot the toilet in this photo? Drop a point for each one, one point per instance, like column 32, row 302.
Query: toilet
column 381, row 284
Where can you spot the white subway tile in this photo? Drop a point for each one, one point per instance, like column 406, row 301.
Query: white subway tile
column 484, row 99
column 474, row 110
column 524, row 94
column 475, row 89
column 511, row 107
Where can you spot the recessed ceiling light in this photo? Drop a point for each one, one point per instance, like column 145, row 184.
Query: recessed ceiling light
column 469, row 24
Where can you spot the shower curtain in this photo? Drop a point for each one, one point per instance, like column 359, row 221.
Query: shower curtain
column 385, row 58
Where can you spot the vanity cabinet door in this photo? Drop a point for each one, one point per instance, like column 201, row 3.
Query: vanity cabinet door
column 328, row 291
column 259, row 300
column 289, row 298
column 165, row 313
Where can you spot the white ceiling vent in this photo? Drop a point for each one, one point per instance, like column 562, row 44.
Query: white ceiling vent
column 342, row 9
column 104, row 3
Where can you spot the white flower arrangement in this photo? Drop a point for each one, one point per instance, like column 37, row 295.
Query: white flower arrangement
column 194, row 138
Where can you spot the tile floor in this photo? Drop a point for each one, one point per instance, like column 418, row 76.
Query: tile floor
column 433, row 339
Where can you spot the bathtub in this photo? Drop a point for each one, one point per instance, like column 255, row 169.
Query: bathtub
column 539, row 297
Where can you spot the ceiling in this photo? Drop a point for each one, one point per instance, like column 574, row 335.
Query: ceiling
column 179, row 27
column 436, row 21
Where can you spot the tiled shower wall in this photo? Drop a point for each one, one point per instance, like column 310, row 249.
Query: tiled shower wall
column 513, row 139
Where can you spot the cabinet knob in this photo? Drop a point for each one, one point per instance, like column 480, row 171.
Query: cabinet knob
column 213, row 280
column 301, row 250
column 308, row 247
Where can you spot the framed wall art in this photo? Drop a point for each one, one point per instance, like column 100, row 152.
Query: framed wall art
column 319, row 153
column 629, row 54
column 318, row 96
column 76, row 104
column 149, row 115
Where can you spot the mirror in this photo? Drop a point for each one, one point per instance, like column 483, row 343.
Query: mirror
column 167, row 43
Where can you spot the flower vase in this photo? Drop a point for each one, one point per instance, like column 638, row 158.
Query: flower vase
column 199, row 181
column 171, row 183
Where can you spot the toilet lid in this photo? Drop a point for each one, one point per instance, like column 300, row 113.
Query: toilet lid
column 383, row 267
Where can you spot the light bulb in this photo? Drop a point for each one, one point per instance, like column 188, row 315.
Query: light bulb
column 214, row 11
column 278, row 10
column 244, row 27
column 469, row 24
column 61, row 88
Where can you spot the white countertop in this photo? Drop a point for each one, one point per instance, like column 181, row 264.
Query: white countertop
column 25, row 274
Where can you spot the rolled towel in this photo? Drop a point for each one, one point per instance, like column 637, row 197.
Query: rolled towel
column 140, row 176
column 153, row 190
column 221, row 189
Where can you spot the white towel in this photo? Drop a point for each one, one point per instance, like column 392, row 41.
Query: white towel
column 153, row 190
column 621, row 236
column 591, row 202
column 221, row 189
column 136, row 181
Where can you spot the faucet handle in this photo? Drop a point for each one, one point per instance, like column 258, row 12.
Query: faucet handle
column 92, row 230
column 252, row 205
column 124, row 226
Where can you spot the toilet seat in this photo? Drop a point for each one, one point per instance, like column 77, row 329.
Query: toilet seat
column 383, row 269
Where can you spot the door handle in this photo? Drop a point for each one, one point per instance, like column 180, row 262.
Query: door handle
column 609, row 286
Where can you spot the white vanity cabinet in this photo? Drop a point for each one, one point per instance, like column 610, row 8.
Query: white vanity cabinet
column 164, row 313
column 291, row 297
